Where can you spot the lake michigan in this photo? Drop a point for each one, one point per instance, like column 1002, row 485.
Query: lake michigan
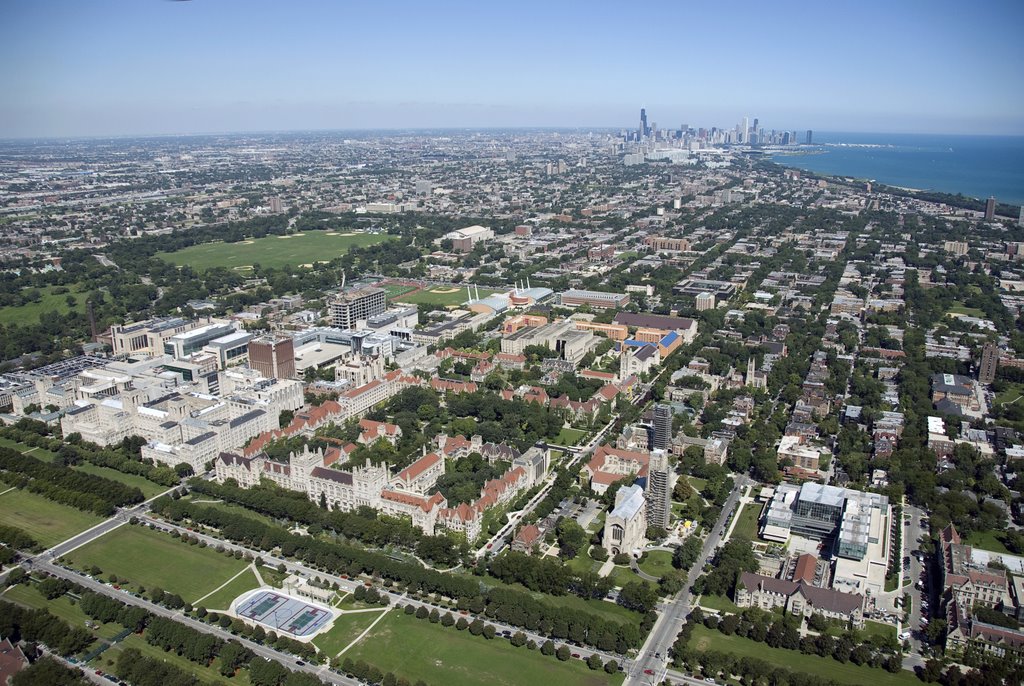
column 978, row 166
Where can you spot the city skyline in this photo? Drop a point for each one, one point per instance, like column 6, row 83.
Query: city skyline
column 118, row 68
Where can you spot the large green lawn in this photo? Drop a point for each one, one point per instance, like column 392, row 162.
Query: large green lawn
column 416, row 649
column 657, row 563
column 442, row 296
column 824, row 667
column 222, row 599
column 148, row 488
column 47, row 302
column 156, row 560
column 44, row 520
column 344, row 630
column 271, row 251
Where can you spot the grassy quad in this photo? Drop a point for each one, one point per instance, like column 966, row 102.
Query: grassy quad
column 156, row 560
column 44, row 520
column 824, row 667
column 657, row 563
column 570, row 437
column 416, row 649
column 271, row 251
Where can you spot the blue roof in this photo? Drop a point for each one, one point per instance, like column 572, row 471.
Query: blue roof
column 633, row 343
column 669, row 338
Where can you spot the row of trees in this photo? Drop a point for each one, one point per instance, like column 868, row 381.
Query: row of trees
column 80, row 490
column 16, row 538
column 509, row 605
column 124, row 458
column 23, row 624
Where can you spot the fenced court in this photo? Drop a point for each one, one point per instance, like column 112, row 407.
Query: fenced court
column 283, row 614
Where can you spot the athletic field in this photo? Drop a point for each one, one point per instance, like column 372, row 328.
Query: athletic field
column 300, row 249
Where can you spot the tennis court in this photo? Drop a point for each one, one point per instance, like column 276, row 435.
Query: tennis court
column 283, row 614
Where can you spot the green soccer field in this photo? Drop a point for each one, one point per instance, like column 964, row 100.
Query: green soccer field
column 416, row 649
column 272, row 251
column 156, row 560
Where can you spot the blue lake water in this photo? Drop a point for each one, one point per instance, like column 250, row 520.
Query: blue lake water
column 978, row 166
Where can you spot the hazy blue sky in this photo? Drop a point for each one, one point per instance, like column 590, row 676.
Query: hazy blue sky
column 85, row 67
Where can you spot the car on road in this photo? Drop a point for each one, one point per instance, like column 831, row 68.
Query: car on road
column 649, row 672
column 300, row 663
column 904, row 636
column 576, row 655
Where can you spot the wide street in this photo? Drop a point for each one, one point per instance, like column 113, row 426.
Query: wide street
column 266, row 652
column 654, row 655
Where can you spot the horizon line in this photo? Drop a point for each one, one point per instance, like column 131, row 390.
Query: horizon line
column 582, row 128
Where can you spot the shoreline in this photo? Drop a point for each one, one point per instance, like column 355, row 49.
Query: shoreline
column 792, row 161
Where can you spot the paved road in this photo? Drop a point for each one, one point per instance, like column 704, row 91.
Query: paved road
column 395, row 598
column 290, row 661
column 654, row 655
column 912, row 532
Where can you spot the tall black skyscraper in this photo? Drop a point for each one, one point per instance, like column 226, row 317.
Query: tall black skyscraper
column 662, row 438
column 644, row 131
column 810, row 136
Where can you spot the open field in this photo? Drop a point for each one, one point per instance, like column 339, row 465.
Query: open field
column 442, row 296
column 156, row 560
column 221, row 600
column 48, row 302
column 657, row 563
column 570, row 437
column 824, row 667
column 416, row 649
column 959, row 308
column 148, row 488
column 44, row 520
column 345, row 629
column 271, row 251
